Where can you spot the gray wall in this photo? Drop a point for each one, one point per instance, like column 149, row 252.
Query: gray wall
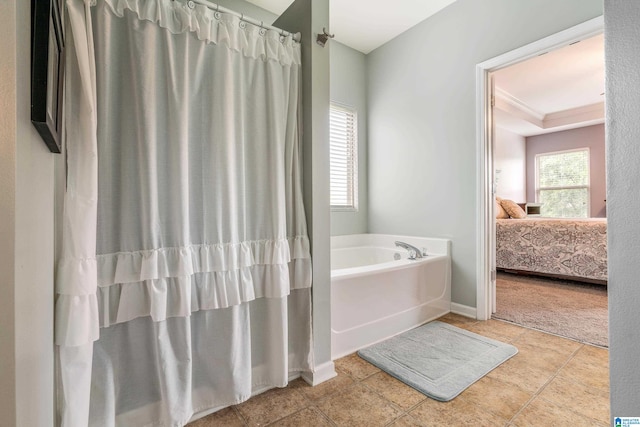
column 422, row 118
column 349, row 87
column 27, row 175
column 591, row 137
column 622, row 47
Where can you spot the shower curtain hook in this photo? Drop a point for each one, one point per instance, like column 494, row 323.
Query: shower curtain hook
column 322, row 38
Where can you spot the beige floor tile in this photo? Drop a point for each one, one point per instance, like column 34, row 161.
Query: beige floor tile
column 307, row 417
column 542, row 358
column 592, row 375
column 223, row 418
column 579, row 398
column 359, row 406
column 548, row 342
column 327, row 388
column 571, row 379
column 496, row 329
column 355, row 367
column 457, row 412
column 272, row 405
column 394, row 390
column 518, row 372
column 457, row 320
column 542, row 413
column 406, row 421
column 594, row 355
column 497, row 397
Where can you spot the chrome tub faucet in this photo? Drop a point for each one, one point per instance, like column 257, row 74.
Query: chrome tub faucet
column 414, row 253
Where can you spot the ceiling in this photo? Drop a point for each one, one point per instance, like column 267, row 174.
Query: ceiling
column 561, row 89
column 367, row 24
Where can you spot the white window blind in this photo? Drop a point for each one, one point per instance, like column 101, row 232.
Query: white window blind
column 562, row 183
column 343, row 147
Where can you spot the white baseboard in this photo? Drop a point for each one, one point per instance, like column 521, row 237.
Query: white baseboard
column 320, row 374
column 464, row 310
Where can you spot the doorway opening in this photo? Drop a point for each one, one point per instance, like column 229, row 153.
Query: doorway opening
column 487, row 186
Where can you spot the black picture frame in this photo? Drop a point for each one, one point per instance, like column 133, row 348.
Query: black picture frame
column 47, row 71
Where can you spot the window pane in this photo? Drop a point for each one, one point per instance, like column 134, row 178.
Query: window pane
column 563, row 169
column 564, row 203
column 343, row 154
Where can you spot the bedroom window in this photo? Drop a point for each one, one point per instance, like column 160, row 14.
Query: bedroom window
column 343, row 147
column 562, row 183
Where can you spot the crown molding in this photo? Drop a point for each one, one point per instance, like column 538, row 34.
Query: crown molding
column 587, row 114
column 510, row 104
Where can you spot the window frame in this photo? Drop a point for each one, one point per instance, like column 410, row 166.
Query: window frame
column 569, row 187
column 353, row 207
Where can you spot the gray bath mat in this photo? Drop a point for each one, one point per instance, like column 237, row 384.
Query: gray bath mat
column 438, row 359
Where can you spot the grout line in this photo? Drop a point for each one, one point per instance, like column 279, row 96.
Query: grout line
column 542, row 387
column 549, row 333
column 239, row 415
column 309, row 406
column 402, row 412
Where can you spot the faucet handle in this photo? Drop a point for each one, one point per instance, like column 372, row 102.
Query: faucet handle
column 412, row 254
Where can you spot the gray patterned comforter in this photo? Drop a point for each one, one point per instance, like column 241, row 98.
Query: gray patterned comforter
column 561, row 247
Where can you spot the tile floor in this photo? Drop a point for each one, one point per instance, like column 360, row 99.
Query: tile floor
column 552, row 381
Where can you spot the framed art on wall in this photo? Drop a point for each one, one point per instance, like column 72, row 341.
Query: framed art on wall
column 47, row 71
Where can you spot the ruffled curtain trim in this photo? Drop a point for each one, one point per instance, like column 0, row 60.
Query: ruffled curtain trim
column 174, row 282
column 214, row 27
column 132, row 267
column 181, row 296
column 76, row 320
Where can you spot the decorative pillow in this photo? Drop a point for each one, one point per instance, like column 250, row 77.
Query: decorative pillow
column 513, row 209
column 500, row 212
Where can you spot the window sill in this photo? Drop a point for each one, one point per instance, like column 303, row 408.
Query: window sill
column 344, row 209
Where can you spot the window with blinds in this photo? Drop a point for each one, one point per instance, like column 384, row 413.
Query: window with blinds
column 343, row 147
column 562, row 183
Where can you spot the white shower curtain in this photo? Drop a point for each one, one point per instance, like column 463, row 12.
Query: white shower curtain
column 185, row 275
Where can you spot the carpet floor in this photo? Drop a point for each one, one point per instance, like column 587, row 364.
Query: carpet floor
column 561, row 307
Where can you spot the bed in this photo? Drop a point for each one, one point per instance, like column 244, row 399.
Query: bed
column 573, row 249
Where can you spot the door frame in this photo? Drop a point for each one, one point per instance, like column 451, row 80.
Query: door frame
column 485, row 225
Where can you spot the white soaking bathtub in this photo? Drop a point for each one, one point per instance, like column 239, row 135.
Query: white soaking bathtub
column 374, row 296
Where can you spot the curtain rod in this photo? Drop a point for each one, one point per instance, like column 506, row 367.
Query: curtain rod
column 218, row 8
